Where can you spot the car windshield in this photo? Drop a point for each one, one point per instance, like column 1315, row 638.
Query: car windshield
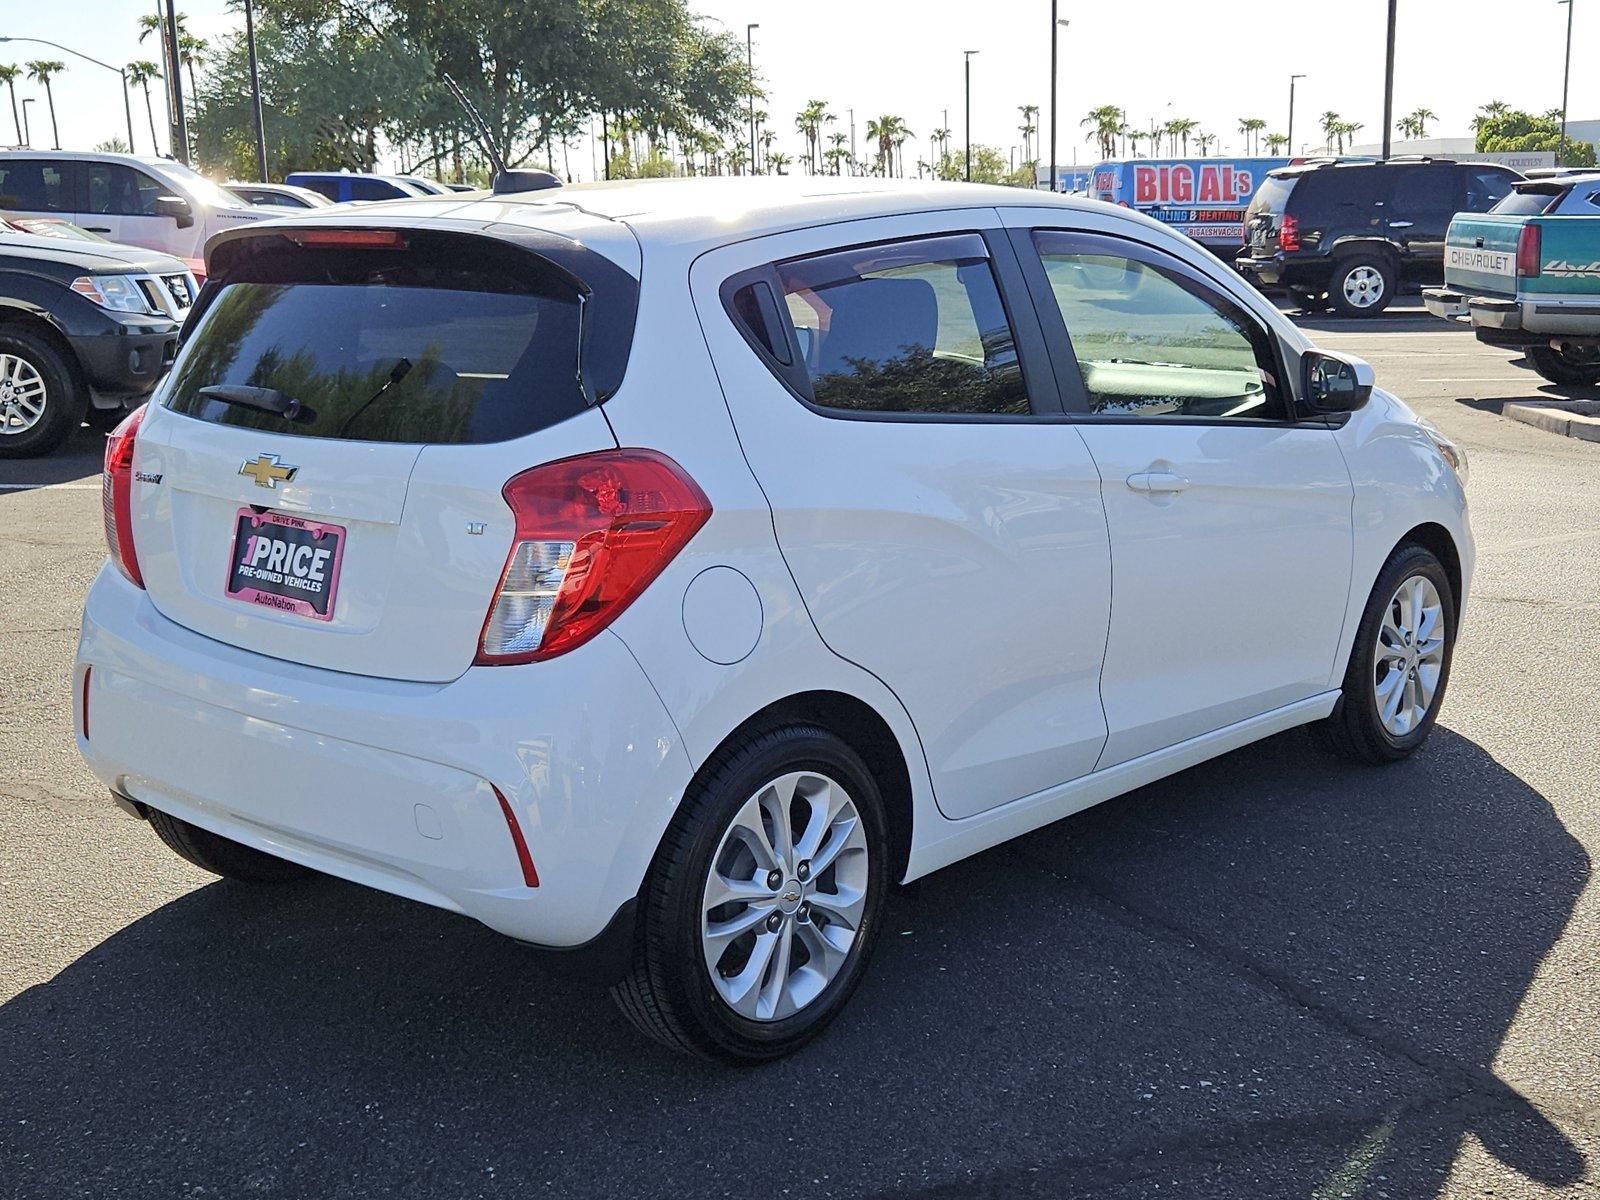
column 212, row 195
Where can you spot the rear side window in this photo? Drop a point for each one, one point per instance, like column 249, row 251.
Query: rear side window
column 34, row 185
column 1273, row 194
column 1334, row 193
column 449, row 341
column 912, row 327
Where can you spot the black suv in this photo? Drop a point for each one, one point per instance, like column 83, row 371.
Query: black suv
column 85, row 328
column 1355, row 232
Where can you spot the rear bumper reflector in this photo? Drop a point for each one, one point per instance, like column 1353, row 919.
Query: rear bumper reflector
column 529, row 875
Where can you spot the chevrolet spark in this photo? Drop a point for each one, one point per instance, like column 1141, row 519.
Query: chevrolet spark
column 666, row 570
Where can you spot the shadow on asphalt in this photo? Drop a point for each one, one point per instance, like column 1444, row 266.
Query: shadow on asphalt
column 1272, row 975
column 80, row 457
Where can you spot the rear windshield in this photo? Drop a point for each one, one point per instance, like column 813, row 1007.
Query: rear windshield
column 1529, row 203
column 386, row 346
column 1273, row 194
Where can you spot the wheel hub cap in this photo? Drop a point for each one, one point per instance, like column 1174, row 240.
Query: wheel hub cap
column 771, row 951
column 1409, row 656
column 1363, row 287
column 22, row 395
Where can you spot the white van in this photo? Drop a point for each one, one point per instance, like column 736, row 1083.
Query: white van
column 156, row 203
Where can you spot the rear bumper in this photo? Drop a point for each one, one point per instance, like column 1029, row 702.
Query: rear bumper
column 392, row 784
column 1309, row 273
column 1535, row 319
column 1445, row 304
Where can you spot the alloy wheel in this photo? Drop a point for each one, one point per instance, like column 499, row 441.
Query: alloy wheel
column 1409, row 656
column 22, row 395
column 1363, row 287
column 785, row 896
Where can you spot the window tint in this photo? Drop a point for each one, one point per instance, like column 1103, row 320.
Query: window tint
column 372, row 189
column 905, row 327
column 1530, row 202
column 1429, row 189
column 34, row 185
column 1150, row 342
column 1486, row 188
column 1335, row 193
column 1273, row 194
column 116, row 190
column 449, row 344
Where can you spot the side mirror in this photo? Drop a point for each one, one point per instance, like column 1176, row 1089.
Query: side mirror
column 1335, row 383
column 177, row 208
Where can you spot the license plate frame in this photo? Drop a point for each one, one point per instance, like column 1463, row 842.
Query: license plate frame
column 301, row 585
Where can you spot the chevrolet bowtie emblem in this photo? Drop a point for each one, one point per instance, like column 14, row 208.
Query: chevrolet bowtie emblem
column 267, row 470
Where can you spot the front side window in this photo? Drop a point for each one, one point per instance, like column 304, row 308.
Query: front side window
column 905, row 327
column 1151, row 342
column 34, row 185
column 116, row 190
column 1429, row 189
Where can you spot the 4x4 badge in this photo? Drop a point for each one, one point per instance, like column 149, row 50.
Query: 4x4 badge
column 267, row 470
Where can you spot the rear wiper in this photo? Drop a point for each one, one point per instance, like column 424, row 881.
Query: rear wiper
column 267, row 400
column 400, row 371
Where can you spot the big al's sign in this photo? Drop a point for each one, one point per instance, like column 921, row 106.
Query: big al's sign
column 1203, row 197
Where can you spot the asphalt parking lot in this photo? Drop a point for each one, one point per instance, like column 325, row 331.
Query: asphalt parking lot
column 1272, row 975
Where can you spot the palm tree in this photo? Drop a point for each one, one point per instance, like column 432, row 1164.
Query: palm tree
column 139, row 75
column 1419, row 120
column 1135, row 136
column 1028, row 128
column 1491, row 110
column 1181, row 127
column 838, row 153
column 154, row 23
column 760, row 119
column 1330, row 125
column 42, row 71
column 1347, row 129
column 809, row 121
column 768, row 137
column 1277, row 142
column 191, row 51
column 1106, row 120
column 889, row 132
column 738, row 158
column 778, row 160
column 8, row 76
column 1251, row 127
column 1205, row 140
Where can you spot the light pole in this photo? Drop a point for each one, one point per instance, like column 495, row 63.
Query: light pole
column 1056, row 25
column 255, row 90
column 852, row 113
column 750, row 64
column 177, row 82
column 1292, row 78
column 27, row 130
column 1566, row 77
column 127, row 106
column 967, row 62
column 1388, row 84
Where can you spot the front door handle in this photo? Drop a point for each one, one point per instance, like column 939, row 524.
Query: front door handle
column 1164, row 483
column 1401, row 224
column 98, row 228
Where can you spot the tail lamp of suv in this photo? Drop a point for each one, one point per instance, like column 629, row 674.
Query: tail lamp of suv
column 116, row 496
column 1289, row 233
column 592, row 533
column 1529, row 252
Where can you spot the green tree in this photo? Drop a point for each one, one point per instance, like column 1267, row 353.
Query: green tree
column 889, row 133
column 1029, row 127
column 1330, row 122
column 1105, row 122
column 1420, row 116
column 809, row 122
column 1277, row 143
column 139, row 75
column 42, row 71
column 778, row 160
column 1510, row 130
column 9, row 75
column 1251, row 127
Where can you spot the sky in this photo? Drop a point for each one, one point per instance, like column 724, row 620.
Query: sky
column 1157, row 59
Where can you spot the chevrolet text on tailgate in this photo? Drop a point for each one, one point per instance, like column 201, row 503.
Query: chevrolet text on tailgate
column 1526, row 275
column 610, row 564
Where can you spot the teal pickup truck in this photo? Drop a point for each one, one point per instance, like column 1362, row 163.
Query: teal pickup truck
column 1526, row 275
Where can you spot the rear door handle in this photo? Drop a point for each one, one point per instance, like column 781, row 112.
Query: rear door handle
column 1164, row 483
column 98, row 228
column 1401, row 224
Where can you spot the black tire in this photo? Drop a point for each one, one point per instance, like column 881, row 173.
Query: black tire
column 1356, row 730
column 1566, row 367
column 64, row 400
column 1383, row 287
column 220, row 856
column 668, row 991
column 1310, row 302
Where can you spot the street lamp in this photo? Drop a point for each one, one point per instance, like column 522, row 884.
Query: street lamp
column 750, row 64
column 1388, row 84
column 1566, row 77
column 1292, row 78
column 967, row 63
column 27, row 130
column 127, row 106
column 1056, row 25
column 255, row 91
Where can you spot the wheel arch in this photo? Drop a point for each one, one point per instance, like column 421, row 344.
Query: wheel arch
column 861, row 727
column 1437, row 540
column 13, row 316
column 1348, row 247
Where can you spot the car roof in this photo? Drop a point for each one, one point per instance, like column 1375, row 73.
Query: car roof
column 716, row 211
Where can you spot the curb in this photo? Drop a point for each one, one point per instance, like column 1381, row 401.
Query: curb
column 1570, row 418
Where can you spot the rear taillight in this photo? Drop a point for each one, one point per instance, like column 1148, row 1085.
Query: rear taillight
column 592, row 532
column 116, row 496
column 1289, row 233
column 1529, row 252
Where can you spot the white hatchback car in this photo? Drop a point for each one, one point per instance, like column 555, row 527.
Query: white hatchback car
column 668, row 569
